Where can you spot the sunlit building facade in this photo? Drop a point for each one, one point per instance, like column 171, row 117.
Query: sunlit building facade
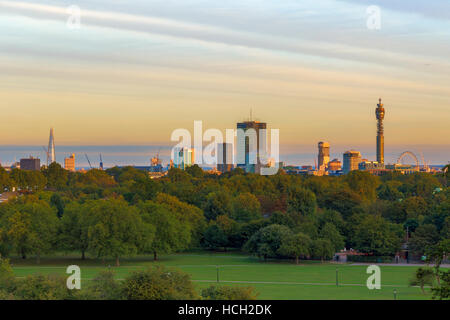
column 351, row 161
column 69, row 163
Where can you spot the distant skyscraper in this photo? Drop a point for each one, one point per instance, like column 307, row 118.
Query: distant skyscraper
column 324, row 154
column 351, row 160
column 69, row 163
column 224, row 157
column 379, row 112
column 30, row 163
column 183, row 157
column 249, row 146
column 51, row 157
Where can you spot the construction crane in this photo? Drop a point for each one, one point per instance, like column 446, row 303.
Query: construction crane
column 425, row 165
column 47, row 153
column 88, row 160
column 101, row 162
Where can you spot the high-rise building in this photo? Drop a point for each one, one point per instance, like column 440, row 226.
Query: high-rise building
column 51, row 156
column 251, row 146
column 183, row 157
column 30, row 163
column 69, row 163
column 224, row 157
column 351, row 161
column 324, row 155
column 379, row 112
column 334, row 165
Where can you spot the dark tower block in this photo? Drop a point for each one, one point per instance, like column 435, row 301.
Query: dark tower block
column 379, row 111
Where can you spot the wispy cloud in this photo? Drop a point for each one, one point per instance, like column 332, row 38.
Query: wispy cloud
column 310, row 67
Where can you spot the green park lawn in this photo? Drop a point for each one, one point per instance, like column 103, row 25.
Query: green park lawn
column 272, row 279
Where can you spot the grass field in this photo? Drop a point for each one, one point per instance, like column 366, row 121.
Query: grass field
column 273, row 279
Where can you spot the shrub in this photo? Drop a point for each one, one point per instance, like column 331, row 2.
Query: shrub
column 229, row 293
column 159, row 283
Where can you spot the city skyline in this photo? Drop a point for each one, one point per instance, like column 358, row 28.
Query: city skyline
column 135, row 72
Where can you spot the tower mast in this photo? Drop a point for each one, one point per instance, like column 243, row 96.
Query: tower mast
column 379, row 112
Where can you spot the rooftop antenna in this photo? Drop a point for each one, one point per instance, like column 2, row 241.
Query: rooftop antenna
column 251, row 116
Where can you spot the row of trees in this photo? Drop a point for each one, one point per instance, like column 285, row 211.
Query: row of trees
column 104, row 228
column 121, row 212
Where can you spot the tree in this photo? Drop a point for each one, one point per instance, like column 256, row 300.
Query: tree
column 195, row 171
column 7, row 278
column 32, row 228
column 363, row 183
column 43, row 287
column 422, row 277
column 217, row 203
column 171, row 234
column 437, row 254
column 442, row 292
column 231, row 230
column 214, row 238
column 117, row 230
column 343, row 200
column 190, row 215
column 376, row 236
column 229, row 293
column 104, row 287
column 295, row 245
column 322, row 249
column 333, row 217
column 96, row 177
column 390, row 190
column 74, row 227
column 246, row 207
column 141, row 189
column 56, row 175
column 5, row 181
column 301, row 201
column 329, row 232
column 31, row 181
column 281, row 218
column 57, row 202
column 267, row 241
column 159, row 283
column 424, row 238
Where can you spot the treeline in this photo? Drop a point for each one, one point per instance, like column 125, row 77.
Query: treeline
column 158, row 283
column 121, row 212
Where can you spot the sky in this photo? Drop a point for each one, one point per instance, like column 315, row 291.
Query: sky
column 136, row 70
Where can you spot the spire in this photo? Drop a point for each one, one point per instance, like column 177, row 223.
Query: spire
column 379, row 103
column 51, row 157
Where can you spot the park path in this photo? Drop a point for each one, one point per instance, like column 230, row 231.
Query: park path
column 399, row 264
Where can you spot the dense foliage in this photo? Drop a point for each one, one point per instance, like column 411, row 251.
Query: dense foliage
column 122, row 212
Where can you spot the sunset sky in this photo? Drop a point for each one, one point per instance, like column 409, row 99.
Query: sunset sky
column 136, row 70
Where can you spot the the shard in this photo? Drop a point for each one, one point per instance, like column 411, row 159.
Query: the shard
column 51, row 148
